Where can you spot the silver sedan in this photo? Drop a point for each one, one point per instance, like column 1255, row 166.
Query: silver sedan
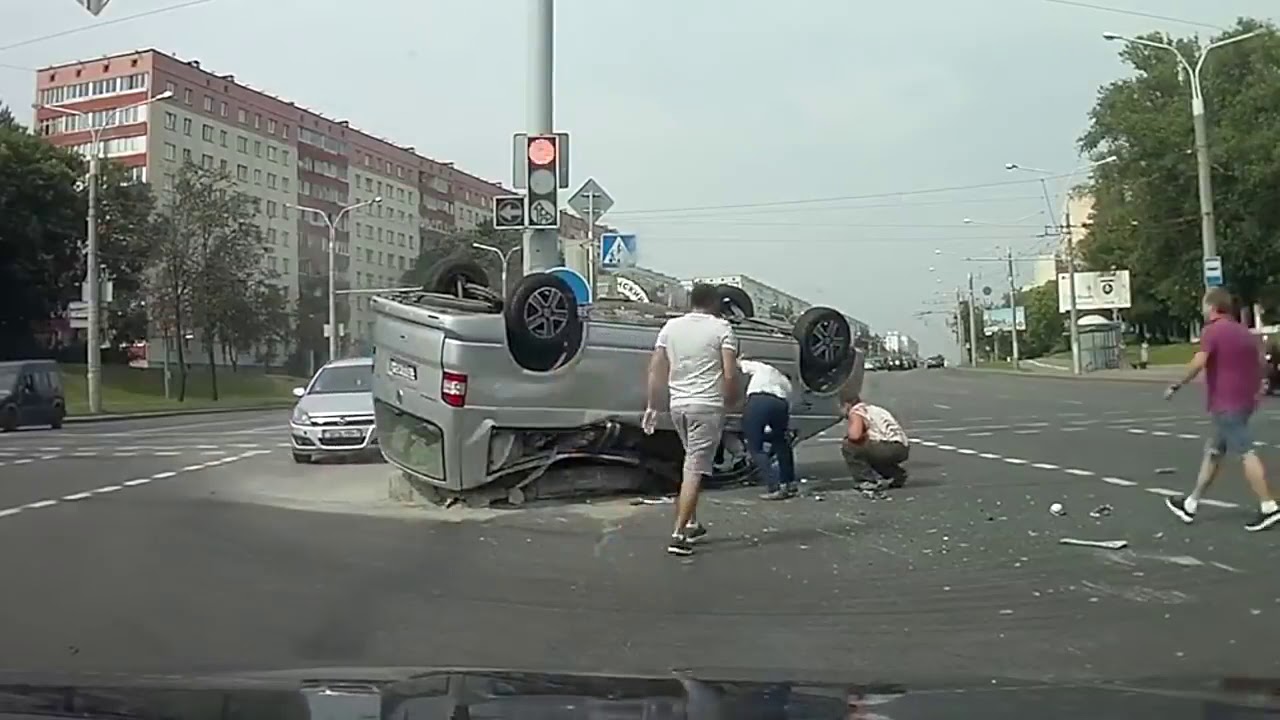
column 334, row 414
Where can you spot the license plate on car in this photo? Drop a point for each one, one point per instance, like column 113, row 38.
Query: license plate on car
column 401, row 369
column 351, row 433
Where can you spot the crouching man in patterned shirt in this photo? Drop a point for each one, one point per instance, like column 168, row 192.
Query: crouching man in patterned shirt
column 875, row 446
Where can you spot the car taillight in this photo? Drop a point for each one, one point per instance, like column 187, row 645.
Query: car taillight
column 453, row 389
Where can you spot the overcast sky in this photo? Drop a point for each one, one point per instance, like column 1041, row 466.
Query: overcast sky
column 676, row 104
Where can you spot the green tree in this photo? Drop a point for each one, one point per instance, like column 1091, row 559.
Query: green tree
column 1146, row 212
column 1045, row 326
column 126, row 244
column 208, row 260
column 41, row 224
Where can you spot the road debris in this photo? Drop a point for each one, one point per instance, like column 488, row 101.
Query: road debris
column 1101, row 511
column 1166, row 471
column 1104, row 544
column 1058, row 509
column 653, row 500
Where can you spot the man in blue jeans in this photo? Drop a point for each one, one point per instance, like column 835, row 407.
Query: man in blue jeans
column 766, row 418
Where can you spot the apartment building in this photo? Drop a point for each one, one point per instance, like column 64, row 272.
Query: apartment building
column 284, row 156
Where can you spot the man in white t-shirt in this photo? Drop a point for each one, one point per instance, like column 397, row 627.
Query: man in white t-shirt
column 696, row 359
column 875, row 446
column 766, row 419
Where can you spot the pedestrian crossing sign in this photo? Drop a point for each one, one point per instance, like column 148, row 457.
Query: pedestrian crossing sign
column 617, row 251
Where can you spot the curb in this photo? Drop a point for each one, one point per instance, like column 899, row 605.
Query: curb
column 1075, row 378
column 111, row 417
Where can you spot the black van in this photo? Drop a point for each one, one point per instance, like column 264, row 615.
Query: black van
column 31, row 394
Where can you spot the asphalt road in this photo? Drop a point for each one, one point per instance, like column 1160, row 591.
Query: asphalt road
column 195, row 544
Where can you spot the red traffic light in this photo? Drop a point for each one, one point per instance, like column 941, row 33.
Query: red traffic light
column 542, row 150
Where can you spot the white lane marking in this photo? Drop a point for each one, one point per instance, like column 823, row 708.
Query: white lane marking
column 1072, row 429
column 1119, row 481
column 1045, row 466
column 1015, row 461
column 1073, row 402
column 1160, row 433
column 245, row 445
column 214, row 452
column 946, row 447
column 1163, row 491
column 1078, row 472
column 1188, row 436
column 988, row 456
column 1026, row 432
column 108, row 489
column 23, row 461
column 940, row 406
column 1137, row 431
column 166, row 453
column 966, row 451
column 981, row 434
column 124, row 454
column 1218, row 503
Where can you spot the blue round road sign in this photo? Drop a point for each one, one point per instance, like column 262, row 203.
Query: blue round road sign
column 577, row 283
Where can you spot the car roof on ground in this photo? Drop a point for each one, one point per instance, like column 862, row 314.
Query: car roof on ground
column 350, row 362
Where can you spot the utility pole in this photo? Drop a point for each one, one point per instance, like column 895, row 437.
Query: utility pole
column 973, row 326
column 960, row 322
column 1013, row 307
column 541, row 247
column 333, row 223
column 1073, row 316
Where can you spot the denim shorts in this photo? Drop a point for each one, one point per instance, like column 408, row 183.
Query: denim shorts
column 1231, row 433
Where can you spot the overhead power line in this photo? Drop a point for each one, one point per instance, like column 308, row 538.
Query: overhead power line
column 791, row 241
column 841, row 198
column 1134, row 13
column 768, row 212
column 105, row 23
column 799, row 223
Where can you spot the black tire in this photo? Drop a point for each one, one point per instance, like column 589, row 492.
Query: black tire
column 452, row 275
column 543, row 327
column 8, row 418
column 59, row 413
column 302, row 459
column 826, row 340
column 735, row 302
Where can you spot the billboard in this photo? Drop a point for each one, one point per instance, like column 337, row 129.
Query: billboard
column 1107, row 290
column 996, row 320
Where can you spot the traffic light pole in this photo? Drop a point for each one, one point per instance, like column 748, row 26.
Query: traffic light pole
column 541, row 247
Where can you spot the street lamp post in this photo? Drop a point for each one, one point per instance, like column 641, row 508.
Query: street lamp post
column 93, row 376
column 1069, row 237
column 1208, row 233
column 505, row 257
column 333, row 222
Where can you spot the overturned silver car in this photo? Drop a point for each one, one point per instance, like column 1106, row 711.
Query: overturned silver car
column 486, row 398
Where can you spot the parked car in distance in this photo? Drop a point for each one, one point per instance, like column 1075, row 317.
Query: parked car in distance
column 935, row 361
column 31, row 394
column 334, row 414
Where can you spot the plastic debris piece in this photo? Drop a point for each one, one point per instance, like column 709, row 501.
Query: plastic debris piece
column 1104, row 544
column 1058, row 509
column 1101, row 511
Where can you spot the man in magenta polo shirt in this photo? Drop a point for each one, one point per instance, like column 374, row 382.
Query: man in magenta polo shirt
column 1232, row 361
